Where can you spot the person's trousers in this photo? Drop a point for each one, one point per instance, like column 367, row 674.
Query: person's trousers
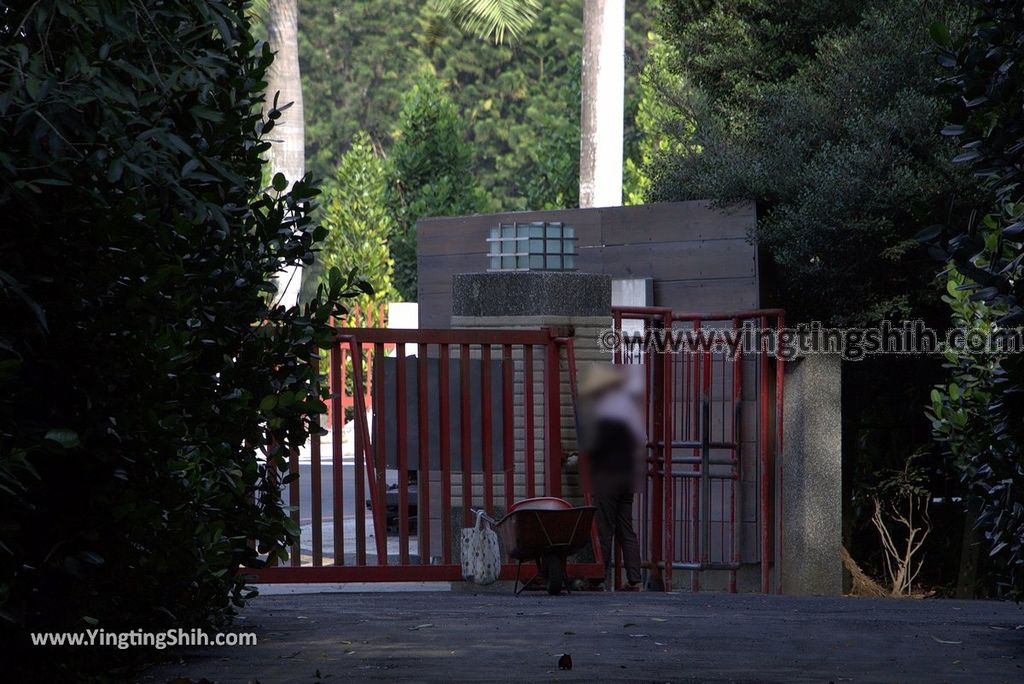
column 613, row 497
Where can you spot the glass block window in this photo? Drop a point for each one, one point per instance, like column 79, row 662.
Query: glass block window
column 538, row 246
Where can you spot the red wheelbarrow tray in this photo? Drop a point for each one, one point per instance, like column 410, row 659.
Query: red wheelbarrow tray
column 545, row 529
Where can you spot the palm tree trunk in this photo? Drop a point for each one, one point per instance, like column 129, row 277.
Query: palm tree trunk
column 288, row 148
column 601, row 117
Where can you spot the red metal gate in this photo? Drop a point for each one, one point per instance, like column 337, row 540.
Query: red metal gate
column 459, row 420
column 714, row 485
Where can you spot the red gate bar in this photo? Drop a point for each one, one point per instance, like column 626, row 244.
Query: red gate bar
column 769, row 488
column 363, row 458
column 446, row 463
column 293, row 500
column 377, row 477
column 654, row 506
column 361, row 454
column 336, row 371
column 402, row 456
column 780, row 372
column 316, row 505
column 507, row 425
column 706, row 400
column 765, row 493
column 423, row 483
column 737, row 431
column 485, row 407
column 465, row 430
column 361, row 440
column 705, row 462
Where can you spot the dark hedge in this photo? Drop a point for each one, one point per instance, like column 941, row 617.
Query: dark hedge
column 142, row 370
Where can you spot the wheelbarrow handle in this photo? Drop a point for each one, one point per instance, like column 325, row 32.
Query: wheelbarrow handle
column 480, row 512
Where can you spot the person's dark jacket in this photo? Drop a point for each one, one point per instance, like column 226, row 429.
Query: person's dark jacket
column 612, row 446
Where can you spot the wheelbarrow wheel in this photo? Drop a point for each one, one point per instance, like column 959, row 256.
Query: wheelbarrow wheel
column 553, row 567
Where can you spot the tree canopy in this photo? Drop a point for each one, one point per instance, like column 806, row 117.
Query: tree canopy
column 520, row 102
column 431, row 166
column 733, row 50
column 836, row 139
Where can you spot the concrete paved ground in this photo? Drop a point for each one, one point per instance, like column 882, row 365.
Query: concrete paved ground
column 460, row 636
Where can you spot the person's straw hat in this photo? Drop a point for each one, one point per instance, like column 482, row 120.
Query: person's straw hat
column 598, row 378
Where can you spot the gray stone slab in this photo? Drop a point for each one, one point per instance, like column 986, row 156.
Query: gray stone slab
column 612, row 637
column 531, row 293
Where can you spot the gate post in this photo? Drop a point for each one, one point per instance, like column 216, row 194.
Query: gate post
column 811, row 511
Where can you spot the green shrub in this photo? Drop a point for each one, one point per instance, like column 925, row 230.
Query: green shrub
column 980, row 412
column 358, row 219
column 141, row 370
column 431, row 167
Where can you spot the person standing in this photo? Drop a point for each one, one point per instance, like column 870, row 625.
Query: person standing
column 614, row 439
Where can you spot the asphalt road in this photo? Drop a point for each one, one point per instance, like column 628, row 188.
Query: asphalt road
column 411, row 637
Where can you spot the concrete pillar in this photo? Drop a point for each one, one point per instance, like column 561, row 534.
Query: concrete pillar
column 812, row 477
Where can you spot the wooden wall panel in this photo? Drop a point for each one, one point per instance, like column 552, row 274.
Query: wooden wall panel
column 698, row 255
column 675, row 221
column 707, row 296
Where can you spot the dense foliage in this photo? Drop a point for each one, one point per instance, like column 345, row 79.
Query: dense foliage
column 431, row 170
column 836, row 140
column 980, row 412
column 662, row 126
column 359, row 221
column 376, row 195
column 825, row 114
column 521, row 102
column 141, row 369
column 733, row 50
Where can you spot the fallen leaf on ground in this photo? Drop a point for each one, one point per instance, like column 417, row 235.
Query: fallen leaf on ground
column 660, row 619
column 423, row 626
column 944, row 641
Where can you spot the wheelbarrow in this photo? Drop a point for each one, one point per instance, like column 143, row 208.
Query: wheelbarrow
column 545, row 530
